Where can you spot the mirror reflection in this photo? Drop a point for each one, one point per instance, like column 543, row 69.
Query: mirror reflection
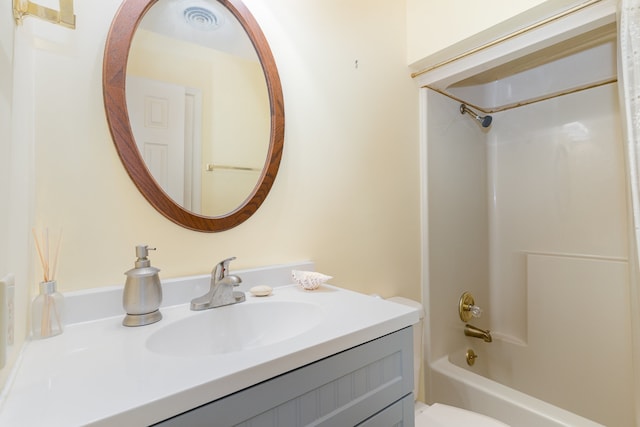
column 198, row 105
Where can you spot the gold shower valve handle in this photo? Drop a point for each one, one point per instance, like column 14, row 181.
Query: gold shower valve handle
column 467, row 308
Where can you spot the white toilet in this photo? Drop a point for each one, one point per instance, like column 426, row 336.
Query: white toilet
column 438, row 415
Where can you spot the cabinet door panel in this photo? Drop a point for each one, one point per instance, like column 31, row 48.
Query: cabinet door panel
column 342, row 390
column 400, row 414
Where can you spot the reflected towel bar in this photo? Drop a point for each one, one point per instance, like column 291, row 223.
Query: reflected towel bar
column 210, row 167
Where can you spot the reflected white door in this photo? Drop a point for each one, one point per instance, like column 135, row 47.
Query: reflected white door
column 157, row 114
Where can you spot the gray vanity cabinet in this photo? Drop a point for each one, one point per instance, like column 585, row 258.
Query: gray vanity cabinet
column 369, row 385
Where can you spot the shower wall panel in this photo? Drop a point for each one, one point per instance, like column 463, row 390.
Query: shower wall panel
column 558, row 187
column 579, row 337
column 457, row 220
column 559, row 247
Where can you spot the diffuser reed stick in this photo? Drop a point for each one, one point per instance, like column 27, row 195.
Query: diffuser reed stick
column 43, row 248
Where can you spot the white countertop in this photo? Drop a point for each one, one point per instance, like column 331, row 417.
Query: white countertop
column 102, row 373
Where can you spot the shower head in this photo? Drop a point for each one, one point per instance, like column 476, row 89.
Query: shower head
column 485, row 121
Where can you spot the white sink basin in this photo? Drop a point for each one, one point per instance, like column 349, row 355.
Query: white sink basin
column 235, row 327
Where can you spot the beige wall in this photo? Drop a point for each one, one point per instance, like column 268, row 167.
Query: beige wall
column 347, row 192
column 346, row 195
column 433, row 26
column 16, row 172
column 6, row 95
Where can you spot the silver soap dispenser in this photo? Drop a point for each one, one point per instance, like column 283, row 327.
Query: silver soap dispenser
column 142, row 291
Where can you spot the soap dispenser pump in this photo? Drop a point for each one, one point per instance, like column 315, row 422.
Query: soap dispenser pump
column 142, row 291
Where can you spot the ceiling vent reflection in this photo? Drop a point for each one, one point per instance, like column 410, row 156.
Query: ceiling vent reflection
column 202, row 19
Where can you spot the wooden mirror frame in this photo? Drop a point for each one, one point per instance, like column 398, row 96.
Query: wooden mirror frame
column 116, row 54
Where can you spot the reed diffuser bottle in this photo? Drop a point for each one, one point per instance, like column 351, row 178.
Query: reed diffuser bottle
column 46, row 311
column 47, row 308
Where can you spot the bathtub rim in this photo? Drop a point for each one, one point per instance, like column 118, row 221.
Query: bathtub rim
column 519, row 406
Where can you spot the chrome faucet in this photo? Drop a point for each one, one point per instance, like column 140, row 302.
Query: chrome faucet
column 221, row 292
column 472, row 331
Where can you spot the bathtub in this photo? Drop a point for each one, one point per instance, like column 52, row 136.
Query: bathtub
column 457, row 386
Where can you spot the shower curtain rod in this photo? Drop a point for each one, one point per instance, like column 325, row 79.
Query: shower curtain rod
column 528, row 102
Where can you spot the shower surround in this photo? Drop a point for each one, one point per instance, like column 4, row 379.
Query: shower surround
column 531, row 216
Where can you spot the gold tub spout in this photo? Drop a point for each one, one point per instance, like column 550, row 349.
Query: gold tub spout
column 472, row 331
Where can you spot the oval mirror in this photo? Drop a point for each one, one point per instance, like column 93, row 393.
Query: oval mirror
column 194, row 105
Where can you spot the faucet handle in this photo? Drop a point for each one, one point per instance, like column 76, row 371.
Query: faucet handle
column 222, row 268
column 475, row 311
column 467, row 307
column 225, row 264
